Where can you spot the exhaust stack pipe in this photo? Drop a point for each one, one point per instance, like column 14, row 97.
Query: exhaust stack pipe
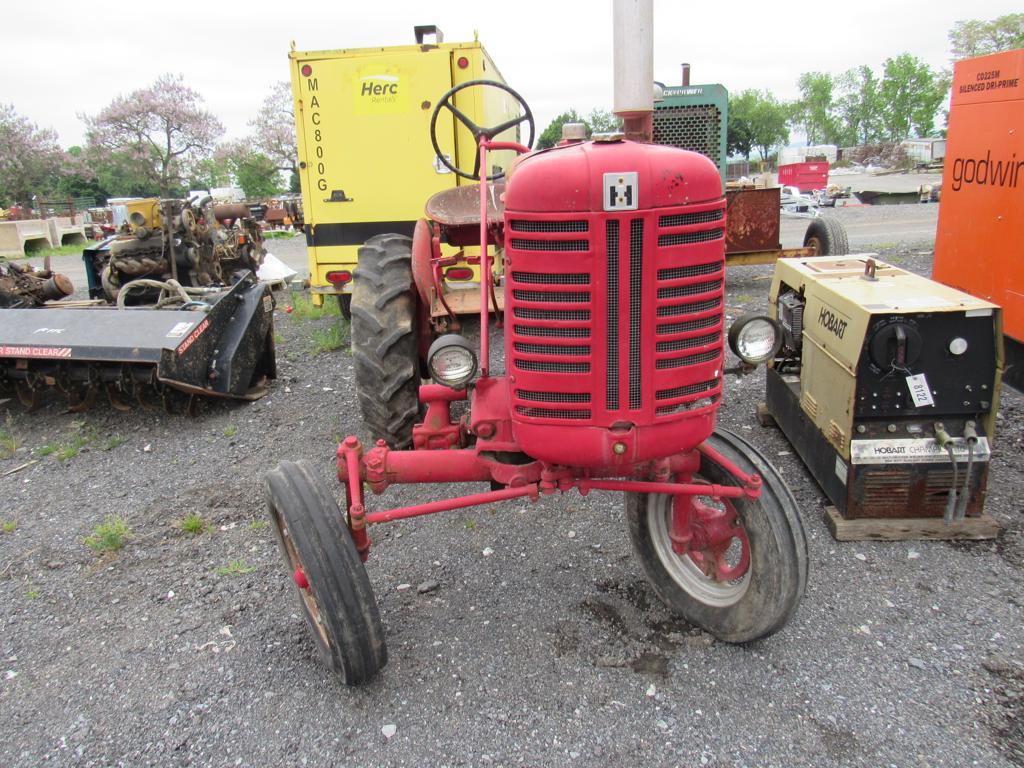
column 633, row 57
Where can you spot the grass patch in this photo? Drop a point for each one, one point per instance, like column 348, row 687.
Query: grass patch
column 279, row 234
column 235, row 568
column 230, row 430
column 258, row 525
column 470, row 524
column 193, row 523
column 8, row 440
column 9, row 526
column 112, row 442
column 109, row 536
column 278, row 339
column 304, row 309
column 328, row 339
column 31, row 593
column 64, row 250
column 70, row 449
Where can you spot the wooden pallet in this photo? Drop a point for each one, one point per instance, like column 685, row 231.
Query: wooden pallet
column 909, row 528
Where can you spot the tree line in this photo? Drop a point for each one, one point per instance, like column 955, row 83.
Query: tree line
column 155, row 141
column 861, row 106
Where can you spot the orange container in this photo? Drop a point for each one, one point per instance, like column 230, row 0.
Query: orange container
column 979, row 245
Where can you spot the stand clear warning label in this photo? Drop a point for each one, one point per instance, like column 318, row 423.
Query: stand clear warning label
column 920, row 392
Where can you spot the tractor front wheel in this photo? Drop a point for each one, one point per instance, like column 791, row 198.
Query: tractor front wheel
column 332, row 584
column 384, row 339
column 747, row 578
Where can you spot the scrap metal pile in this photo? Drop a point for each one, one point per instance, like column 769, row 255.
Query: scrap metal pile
column 175, row 307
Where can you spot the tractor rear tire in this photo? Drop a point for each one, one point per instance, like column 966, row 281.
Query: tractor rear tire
column 337, row 598
column 384, row 340
column 767, row 595
column 827, row 236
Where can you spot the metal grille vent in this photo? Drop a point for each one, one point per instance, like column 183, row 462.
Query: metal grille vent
column 689, row 325
column 697, row 270
column 689, row 290
column 553, row 397
column 636, row 277
column 551, row 413
column 543, row 278
column 551, row 349
column 557, row 297
column 886, row 489
column 550, row 245
column 686, row 219
column 697, row 128
column 682, row 362
column 690, row 309
column 685, row 238
column 553, row 333
column 698, row 341
column 686, row 389
column 704, row 402
column 542, row 366
column 569, row 315
column 612, row 383
column 523, row 225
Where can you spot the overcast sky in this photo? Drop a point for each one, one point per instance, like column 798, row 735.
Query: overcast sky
column 59, row 59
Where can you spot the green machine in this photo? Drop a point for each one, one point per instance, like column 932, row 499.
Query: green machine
column 693, row 117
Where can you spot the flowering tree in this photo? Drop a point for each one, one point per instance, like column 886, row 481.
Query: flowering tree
column 274, row 127
column 31, row 160
column 162, row 128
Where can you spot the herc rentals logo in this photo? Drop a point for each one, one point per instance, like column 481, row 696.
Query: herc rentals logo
column 379, row 92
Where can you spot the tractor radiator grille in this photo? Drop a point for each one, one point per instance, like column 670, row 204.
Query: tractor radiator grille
column 612, row 377
column 574, row 350
column 545, row 367
column 553, row 397
column 619, row 327
column 636, row 273
column 576, row 315
column 688, row 219
column 543, row 278
column 685, row 238
column 696, row 341
column 525, row 225
column 559, row 297
column 689, row 290
column 554, row 333
column 550, row 245
column 551, row 413
column 688, row 325
column 698, row 270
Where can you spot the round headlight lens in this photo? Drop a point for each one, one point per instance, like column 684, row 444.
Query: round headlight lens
column 452, row 361
column 755, row 339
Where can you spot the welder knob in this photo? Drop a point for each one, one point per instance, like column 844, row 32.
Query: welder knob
column 897, row 345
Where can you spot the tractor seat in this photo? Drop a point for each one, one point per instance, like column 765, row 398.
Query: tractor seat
column 460, row 206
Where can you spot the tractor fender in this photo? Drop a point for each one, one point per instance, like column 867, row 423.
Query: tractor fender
column 422, row 251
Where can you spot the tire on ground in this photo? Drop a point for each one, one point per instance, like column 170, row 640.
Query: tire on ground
column 384, row 345
column 827, row 236
column 339, row 605
column 778, row 549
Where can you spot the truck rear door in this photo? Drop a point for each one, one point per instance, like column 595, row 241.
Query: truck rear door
column 368, row 164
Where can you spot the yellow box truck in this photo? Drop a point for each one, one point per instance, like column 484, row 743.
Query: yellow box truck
column 366, row 164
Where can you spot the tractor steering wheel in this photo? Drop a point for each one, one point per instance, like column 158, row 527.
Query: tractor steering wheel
column 476, row 130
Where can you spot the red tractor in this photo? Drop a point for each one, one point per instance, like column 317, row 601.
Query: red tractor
column 613, row 256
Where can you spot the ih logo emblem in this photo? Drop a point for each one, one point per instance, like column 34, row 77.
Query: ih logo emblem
column 620, row 191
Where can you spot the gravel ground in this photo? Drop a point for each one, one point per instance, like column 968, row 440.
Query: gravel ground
column 189, row 649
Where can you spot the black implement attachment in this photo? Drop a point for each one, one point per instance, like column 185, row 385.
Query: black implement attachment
column 221, row 345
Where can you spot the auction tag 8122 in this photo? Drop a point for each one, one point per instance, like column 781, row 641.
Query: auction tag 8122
column 920, row 392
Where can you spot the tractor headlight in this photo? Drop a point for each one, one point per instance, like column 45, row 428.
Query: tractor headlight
column 755, row 339
column 452, row 361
